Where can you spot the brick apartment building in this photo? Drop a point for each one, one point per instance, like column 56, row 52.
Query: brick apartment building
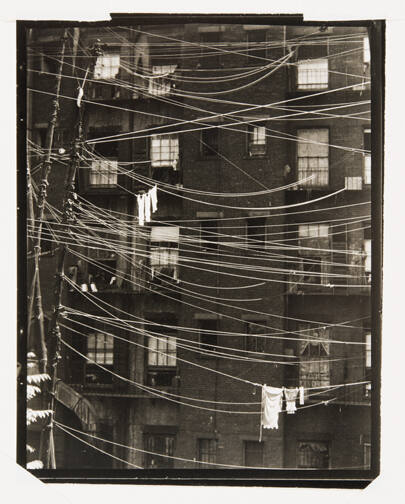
column 222, row 289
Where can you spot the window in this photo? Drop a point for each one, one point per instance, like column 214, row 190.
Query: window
column 158, row 444
column 253, row 454
column 207, row 451
column 107, row 66
column 314, row 270
column 210, row 56
column 313, row 454
column 159, row 82
column 313, row 74
column 253, row 341
column 100, row 350
column 313, row 241
column 161, row 351
column 256, row 140
column 164, row 253
column 313, row 230
column 368, row 350
column 256, row 232
column 102, row 265
column 209, row 142
column 256, row 46
column 366, row 50
column 313, row 157
column 367, row 260
column 209, row 235
column 104, row 170
column 164, row 150
column 208, row 334
column 367, row 156
column 367, row 455
column 161, row 357
column 314, row 351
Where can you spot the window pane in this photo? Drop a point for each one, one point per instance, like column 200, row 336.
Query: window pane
column 313, row 454
column 313, row 74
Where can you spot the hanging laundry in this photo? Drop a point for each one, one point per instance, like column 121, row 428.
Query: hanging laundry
column 301, row 389
column 141, row 208
column 290, row 398
column 147, row 206
column 272, row 400
column 153, row 198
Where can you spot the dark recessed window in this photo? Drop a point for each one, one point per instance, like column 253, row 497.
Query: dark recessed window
column 208, row 334
column 209, row 142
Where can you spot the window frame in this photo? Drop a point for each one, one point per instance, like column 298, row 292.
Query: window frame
column 173, row 149
column 209, row 453
column 367, row 156
column 256, row 149
column 208, row 151
column 246, row 443
column 305, row 466
column 312, row 85
column 100, row 377
column 152, row 439
column 207, row 345
column 319, row 171
column 314, row 368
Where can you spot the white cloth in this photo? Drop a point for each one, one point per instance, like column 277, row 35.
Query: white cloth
column 290, row 398
column 272, row 400
column 301, row 395
column 147, row 207
column 153, row 198
column 141, row 208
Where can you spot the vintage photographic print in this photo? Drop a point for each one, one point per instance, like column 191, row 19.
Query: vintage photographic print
column 200, row 248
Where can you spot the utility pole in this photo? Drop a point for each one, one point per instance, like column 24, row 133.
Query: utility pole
column 35, row 302
column 68, row 218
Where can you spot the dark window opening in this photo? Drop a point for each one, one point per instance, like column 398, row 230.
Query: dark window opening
column 208, row 235
column 256, row 232
column 256, row 46
column 313, row 454
column 210, row 56
column 253, row 454
column 208, row 336
column 253, row 341
column 158, row 444
column 209, row 142
column 207, row 451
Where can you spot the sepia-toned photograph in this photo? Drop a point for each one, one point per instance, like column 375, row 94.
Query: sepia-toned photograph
column 200, row 248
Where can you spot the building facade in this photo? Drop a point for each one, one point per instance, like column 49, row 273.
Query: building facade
column 256, row 266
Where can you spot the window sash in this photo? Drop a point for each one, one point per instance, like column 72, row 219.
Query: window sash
column 367, row 259
column 100, row 348
column 107, row 66
column 103, row 172
column 313, row 156
column 164, row 150
column 160, row 86
column 313, row 454
column 207, row 450
column 368, row 350
column 313, row 230
column 313, row 74
column 162, row 351
column 367, row 168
